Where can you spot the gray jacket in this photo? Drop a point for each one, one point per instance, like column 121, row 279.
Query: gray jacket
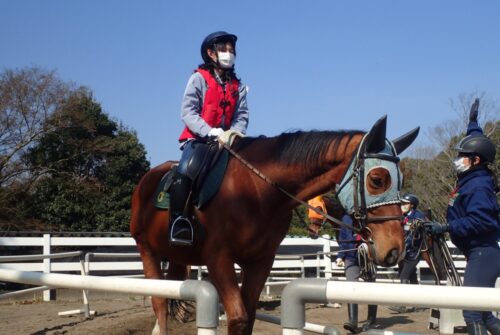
column 192, row 104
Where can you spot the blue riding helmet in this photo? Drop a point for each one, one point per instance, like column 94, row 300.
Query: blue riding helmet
column 411, row 198
column 213, row 38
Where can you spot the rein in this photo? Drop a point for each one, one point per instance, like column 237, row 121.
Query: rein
column 451, row 271
column 285, row 192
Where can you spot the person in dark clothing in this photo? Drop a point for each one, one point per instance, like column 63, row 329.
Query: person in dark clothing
column 348, row 244
column 407, row 268
column 473, row 219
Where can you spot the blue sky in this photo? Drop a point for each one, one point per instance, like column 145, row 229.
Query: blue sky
column 309, row 64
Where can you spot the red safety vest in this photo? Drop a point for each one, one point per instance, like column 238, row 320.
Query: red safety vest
column 217, row 104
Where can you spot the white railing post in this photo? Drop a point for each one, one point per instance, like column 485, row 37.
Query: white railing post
column 302, row 268
column 48, row 295
column 318, row 265
column 84, row 272
column 327, row 256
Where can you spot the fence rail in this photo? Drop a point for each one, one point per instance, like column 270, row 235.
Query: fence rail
column 298, row 257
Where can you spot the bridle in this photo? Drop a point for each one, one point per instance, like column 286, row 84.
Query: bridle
column 358, row 178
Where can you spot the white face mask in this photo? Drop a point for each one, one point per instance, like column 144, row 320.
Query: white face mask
column 460, row 165
column 405, row 208
column 226, row 59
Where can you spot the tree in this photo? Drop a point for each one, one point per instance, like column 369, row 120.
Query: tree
column 28, row 97
column 88, row 167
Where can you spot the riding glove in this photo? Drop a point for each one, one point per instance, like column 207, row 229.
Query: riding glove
column 339, row 262
column 215, row 132
column 436, row 228
column 474, row 110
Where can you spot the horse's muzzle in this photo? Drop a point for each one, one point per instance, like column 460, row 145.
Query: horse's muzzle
column 392, row 258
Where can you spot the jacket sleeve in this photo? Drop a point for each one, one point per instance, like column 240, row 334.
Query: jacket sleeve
column 239, row 121
column 192, row 104
column 473, row 128
column 480, row 215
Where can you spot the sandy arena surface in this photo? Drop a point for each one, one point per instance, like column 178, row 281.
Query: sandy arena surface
column 124, row 314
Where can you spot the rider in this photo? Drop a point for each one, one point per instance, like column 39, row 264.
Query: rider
column 348, row 254
column 473, row 218
column 214, row 101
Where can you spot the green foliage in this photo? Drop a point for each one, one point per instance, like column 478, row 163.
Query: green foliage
column 89, row 167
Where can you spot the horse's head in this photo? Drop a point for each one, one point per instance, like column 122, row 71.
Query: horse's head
column 369, row 191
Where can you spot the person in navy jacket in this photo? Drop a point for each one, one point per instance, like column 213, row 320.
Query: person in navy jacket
column 473, row 218
column 407, row 268
column 348, row 254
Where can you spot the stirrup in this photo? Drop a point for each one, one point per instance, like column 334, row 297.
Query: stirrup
column 181, row 232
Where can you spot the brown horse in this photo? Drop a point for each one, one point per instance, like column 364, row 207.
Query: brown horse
column 248, row 218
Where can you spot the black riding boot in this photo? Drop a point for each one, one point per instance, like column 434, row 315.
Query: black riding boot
column 494, row 328
column 352, row 324
column 180, row 229
column 371, row 319
column 476, row 328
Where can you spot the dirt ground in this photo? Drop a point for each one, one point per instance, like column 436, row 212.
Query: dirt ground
column 124, row 314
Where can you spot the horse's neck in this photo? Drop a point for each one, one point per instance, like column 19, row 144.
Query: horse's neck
column 308, row 180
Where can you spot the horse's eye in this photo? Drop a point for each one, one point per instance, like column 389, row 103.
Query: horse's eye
column 377, row 182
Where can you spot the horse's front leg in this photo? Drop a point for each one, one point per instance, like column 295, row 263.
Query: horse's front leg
column 254, row 279
column 223, row 276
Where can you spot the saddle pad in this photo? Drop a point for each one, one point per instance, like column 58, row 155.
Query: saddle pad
column 209, row 187
column 162, row 197
column 212, row 181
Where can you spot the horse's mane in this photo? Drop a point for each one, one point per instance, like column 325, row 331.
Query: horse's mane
column 301, row 146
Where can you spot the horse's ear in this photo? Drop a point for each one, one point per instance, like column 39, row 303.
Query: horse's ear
column 375, row 141
column 404, row 141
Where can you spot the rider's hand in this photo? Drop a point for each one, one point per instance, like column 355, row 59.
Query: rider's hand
column 215, row 132
column 474, row 110
column 436, row 228
column 339, row 262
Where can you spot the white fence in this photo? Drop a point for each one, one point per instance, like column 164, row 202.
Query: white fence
column 317, row 262
column 302, row 291
column 298, row 257
column 204, row 293
column 320, row 262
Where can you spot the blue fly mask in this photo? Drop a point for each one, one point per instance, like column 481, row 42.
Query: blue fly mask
column 352, row 191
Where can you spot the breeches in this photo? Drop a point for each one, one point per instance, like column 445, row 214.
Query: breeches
column 187, row 152
column 351, row 270
column 482, row 270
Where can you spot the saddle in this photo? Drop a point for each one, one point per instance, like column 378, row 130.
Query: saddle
column 206, row 168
